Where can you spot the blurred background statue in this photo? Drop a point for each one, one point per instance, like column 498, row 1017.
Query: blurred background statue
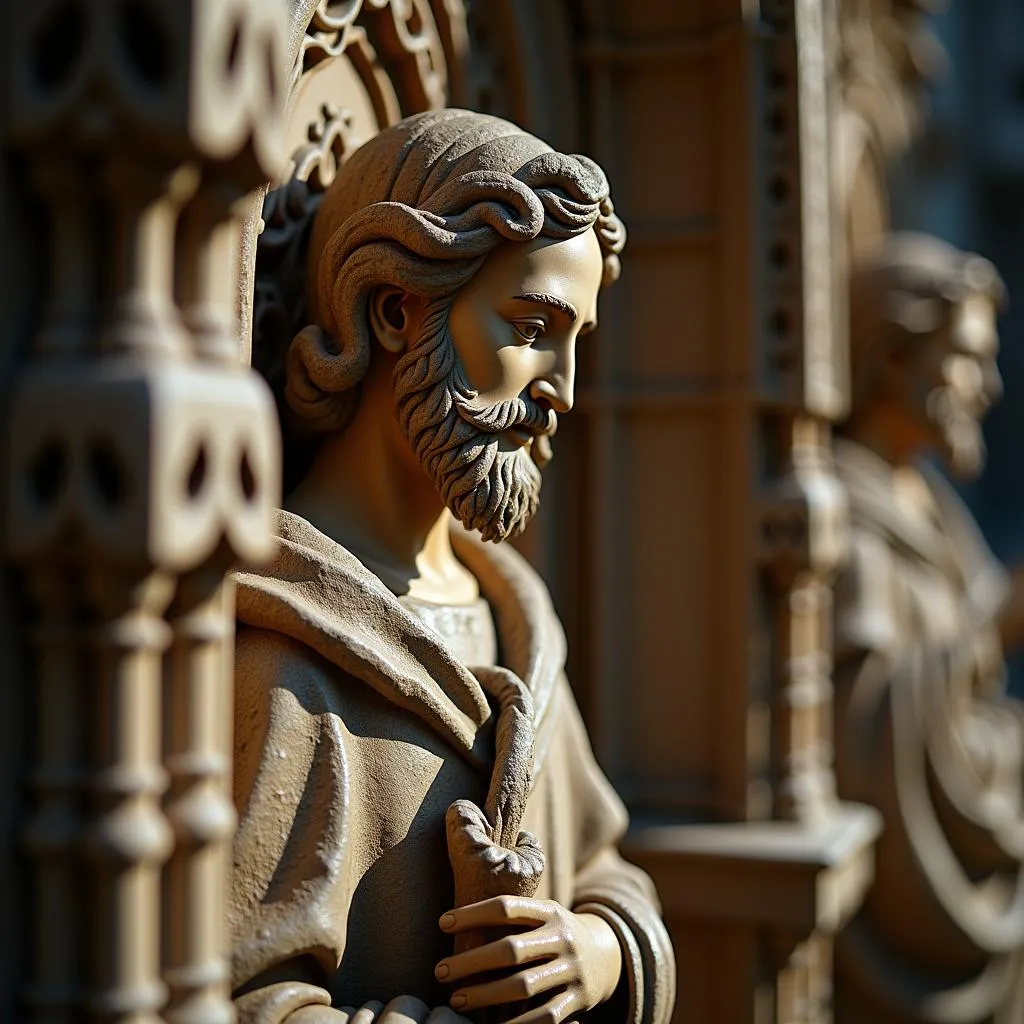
column 924, row 615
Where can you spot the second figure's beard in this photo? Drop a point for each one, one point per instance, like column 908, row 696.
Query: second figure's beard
column 960, row 434
column 492, row 491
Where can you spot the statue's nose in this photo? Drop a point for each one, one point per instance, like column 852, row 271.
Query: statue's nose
column 557, row 395
column 557, row 387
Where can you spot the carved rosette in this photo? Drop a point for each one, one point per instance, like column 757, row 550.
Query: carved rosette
column 143, row 461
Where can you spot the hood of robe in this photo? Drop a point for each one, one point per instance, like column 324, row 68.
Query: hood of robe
column 319, row 593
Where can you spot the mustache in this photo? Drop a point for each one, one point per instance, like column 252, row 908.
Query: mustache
column 521, row 413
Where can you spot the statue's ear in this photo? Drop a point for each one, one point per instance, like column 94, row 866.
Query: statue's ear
column 392, row 317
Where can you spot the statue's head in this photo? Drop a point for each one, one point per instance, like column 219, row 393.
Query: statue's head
column 461, row 258
column 923, row 346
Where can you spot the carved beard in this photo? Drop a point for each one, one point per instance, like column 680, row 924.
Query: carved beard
column 495, row 492
column 960, row 436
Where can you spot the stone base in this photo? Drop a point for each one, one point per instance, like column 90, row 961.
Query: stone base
column 752, row 908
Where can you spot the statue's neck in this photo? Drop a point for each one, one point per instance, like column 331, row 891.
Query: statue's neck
column 367, row 491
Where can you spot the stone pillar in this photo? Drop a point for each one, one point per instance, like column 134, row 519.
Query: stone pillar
column 142, row 463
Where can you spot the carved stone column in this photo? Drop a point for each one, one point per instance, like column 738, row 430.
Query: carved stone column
column 143, row 461
column 794, row 864
column 692, row 522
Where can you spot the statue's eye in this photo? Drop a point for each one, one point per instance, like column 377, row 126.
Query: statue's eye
column 528, row 330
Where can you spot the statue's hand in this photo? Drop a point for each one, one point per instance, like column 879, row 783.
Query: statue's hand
column 401, row 1010
column 573, row 960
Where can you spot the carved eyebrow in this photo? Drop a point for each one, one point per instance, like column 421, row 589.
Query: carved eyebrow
column 551, row 300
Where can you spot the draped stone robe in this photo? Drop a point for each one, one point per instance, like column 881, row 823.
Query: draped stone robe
column 924, row 733
column 355, row 729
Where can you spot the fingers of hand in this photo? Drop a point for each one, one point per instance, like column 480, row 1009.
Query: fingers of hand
column 509, row 951
column 522, row 985
column 402, row 1010
column 556, row 1010
column 445, row 1015
column 320, row 1015
column 366, row 1014
column 498, row 911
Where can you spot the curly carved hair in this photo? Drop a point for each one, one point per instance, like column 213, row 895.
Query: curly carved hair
column 420, row 206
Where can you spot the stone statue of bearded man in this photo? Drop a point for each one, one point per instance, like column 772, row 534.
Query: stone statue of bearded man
column 423, row 830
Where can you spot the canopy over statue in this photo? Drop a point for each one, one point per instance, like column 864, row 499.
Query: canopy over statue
column 423, row 828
